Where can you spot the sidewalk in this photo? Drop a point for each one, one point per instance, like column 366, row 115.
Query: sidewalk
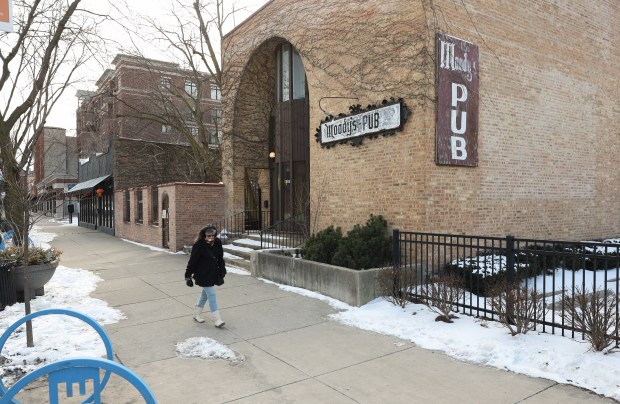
column 293, row 351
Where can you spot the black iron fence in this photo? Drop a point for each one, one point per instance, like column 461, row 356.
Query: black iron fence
column 559, row 270
column 289, row 233
column 242, row 223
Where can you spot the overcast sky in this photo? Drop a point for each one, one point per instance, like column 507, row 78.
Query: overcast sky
column 63, row 115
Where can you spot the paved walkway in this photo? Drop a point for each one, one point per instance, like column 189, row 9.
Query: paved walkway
column 293, row 352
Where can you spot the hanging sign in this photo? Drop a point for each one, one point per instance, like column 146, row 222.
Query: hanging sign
column 457, row 102
column 6, row 15
column 384, row 119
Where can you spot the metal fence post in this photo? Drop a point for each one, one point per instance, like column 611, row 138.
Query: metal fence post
column 510, row 278
column 395, row 248
column 510, row 260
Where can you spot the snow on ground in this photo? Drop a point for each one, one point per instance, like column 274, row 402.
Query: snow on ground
column 469, row 339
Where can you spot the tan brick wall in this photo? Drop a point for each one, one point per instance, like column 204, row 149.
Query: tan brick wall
column 548, row 132
column 191, row 206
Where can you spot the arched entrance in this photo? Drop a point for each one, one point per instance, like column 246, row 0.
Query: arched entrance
column 289, row 157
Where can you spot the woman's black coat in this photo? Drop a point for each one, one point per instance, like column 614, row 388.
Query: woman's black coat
column 206, row 263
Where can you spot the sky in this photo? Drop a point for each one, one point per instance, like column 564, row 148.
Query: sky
column 63, row 115
column 468, row 339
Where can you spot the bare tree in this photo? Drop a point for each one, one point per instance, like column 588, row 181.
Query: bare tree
column 192, row 40
column 53, row 39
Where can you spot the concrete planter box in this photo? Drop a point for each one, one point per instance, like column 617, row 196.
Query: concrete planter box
column 38, row 276
column 348, row 285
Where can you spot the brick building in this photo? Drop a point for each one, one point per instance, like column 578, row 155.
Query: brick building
column 133, row 134
column 55, row 170
column 513, row 124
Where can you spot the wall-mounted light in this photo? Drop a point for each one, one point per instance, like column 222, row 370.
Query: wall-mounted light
column 272, row 155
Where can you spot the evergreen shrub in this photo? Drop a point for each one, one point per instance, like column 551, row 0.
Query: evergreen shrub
column 364, row 247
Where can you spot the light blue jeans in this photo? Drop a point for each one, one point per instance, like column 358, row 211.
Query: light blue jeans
column 208, row 293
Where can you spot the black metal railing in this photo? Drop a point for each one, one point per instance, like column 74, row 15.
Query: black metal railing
column 242, row 223
column 289, row 233
column 556, row 269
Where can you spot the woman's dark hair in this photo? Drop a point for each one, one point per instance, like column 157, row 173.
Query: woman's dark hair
column 208, row 229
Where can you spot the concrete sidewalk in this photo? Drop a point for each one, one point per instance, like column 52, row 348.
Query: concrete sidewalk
column 293, row 352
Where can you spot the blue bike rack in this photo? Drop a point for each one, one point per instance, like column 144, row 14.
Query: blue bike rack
column 88, row 320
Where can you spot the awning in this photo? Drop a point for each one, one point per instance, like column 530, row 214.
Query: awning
column 87, row 185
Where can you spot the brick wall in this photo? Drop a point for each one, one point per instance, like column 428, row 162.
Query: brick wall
column 140, row 163
column 190, row 207
column 548, row 127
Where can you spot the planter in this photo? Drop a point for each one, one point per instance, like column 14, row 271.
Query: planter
column 354, row 287
column 38, row 276
column 8, row 296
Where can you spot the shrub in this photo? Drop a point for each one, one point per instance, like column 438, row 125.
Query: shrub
column 365, row 247
column 442, row 294
column 321, row 246
column 519, row 307
column 594, row 314
column 397, row 284
column 36, row 255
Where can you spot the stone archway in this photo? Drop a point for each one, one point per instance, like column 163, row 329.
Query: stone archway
column 268, row 141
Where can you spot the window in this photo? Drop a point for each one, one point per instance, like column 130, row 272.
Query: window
column 127, row 207
column 286, row 72
column 193, row 130
column 290, row 74
column 167, row 129
column 216, row 117
column 165, row 82
column 154, row 205
column 215, row 93
column 139, row 215
column 215, row 136
column 191, row 89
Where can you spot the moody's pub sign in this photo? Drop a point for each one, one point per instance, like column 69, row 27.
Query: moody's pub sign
column 457, row 102
column 383, row 119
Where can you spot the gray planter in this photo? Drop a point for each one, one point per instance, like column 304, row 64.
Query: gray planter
column 348, row 285
column 38, row 276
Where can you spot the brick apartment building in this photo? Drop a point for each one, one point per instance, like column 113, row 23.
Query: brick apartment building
column 55, row 171
column 508, row 122
column 132, row 138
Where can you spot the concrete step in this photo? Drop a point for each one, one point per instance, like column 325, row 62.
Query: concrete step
column 248, row 243
column 238, row 262
column 240, row 251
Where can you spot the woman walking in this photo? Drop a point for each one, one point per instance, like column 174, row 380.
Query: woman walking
column 206, row 267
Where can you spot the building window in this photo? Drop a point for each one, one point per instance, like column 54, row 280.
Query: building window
column 193, row 130
column 139, row 215
column 166, row 129
column 215, row 93
column 165, row 82
column 215, row 136
column 154, row 206
column 191, row 89
column 127, row 207
column 216, row 117
column 290, row 74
